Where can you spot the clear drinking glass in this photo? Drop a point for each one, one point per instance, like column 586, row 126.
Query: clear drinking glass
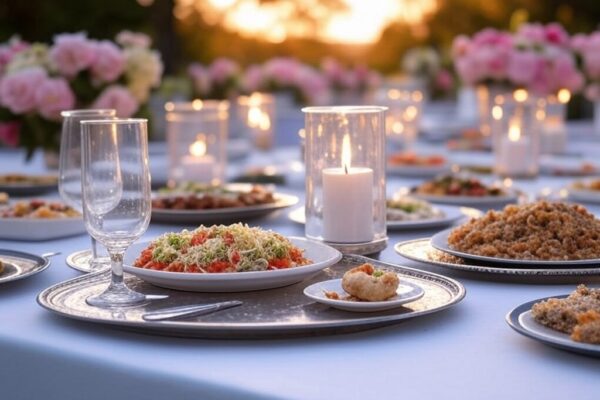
column 116, row 196
column 69, row 181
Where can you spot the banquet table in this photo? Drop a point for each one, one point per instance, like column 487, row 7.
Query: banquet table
column 467, row 351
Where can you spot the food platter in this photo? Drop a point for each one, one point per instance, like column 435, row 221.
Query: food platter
column 407, row 292
column 48, row 184
column 320, row 254
column 18, row 265
column 521, row 320
column 221, row 215
column 440, row 242
column 418, row 171
column 283, row 312
column 37, row 229
column 471, row 201
column 583, row 195
column 452, row 214
column 420, row 250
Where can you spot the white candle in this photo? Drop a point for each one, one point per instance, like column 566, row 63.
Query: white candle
column 554, row 136
column 347, row 201
column 514, row 156
column 197, row 166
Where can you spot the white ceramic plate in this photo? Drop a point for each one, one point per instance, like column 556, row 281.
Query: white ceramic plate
column 452, row 214
column 521, row 320
column 406, row 292
column 322, row 256
column 584, row 196
column 470, row 201
column 439, row 241
column 40, row 229
column 418, row 171
column 222, row 215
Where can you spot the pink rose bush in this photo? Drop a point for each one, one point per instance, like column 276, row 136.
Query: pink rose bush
column 587, row 48
column 349, row 83
column 38, row 81
column 219, row 80
column 537, row 57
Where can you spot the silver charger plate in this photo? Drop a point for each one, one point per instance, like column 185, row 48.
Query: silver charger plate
column 420, row 250
column 19, row 265
column 521, row 320
column 440, row 242
column 452, row 214
column 28, row 189
column 471, row 201
column 221, row 215
column 283, row 312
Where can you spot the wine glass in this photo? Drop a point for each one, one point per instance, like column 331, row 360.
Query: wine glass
column 69, row 174
column 116, row 191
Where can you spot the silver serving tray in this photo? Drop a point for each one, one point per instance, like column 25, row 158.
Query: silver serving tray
column 421, row 250
column 19, row 265
column 283, row 312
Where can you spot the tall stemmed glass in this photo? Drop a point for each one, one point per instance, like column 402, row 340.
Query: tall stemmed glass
column 69, row 174
column 116, row 196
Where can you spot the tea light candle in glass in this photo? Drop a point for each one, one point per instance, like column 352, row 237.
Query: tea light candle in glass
column 257, row 112
column 197, row 141
column 517, row 125
column 554, row 133
column 403, row 118
column 345, row 177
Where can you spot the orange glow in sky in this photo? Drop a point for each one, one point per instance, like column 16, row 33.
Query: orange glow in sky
column 361, row 22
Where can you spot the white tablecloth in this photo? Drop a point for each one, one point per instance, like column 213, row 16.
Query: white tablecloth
column 466, row 352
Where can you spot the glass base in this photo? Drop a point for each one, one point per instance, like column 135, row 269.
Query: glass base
column 372, row 247
column 117, row 296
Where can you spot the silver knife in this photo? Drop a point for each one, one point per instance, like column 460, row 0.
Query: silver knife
column 189, row 311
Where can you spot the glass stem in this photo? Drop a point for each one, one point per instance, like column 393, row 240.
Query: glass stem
column 94, row 248
column 116, row 264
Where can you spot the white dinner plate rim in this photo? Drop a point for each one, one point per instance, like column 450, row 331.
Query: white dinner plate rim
column 50, row 228
column 439, row 241
column 363, row 305
column 239, row 276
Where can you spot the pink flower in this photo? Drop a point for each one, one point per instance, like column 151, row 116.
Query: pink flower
column 133, row 39
column 467, row 70
column 282, row 71
column 8, row 51
column 522, row 67
column 119, row 98
column 17, row 90
column 252, row 80
column 554, row 33
column 223, row 69
column 444, row 80
column 52, row 96
column 578, row 42
column 460, row 46
column 565, row 73
column 72, row 53
column 200, row 79
column 533, row 33
column 9, row 133
column 592, row 92
column 109, row 62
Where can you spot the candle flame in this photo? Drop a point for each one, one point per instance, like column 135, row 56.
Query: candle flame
column 258, row 118
column 520, row 95
column 514, row 133
column 198, row 148
column 346, row 153
column 564, row 96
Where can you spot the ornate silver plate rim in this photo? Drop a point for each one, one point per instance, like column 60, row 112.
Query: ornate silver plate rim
column 41, row 263
column 504, row 269
column 440, row 242
column 521, row 321
column 454, row 290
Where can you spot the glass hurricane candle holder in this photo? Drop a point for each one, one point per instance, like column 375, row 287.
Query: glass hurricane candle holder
column 257, row 115
column 197, row 141
column 345, row 177
column 403, row 118
column 553, row 138
column 517, row 123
